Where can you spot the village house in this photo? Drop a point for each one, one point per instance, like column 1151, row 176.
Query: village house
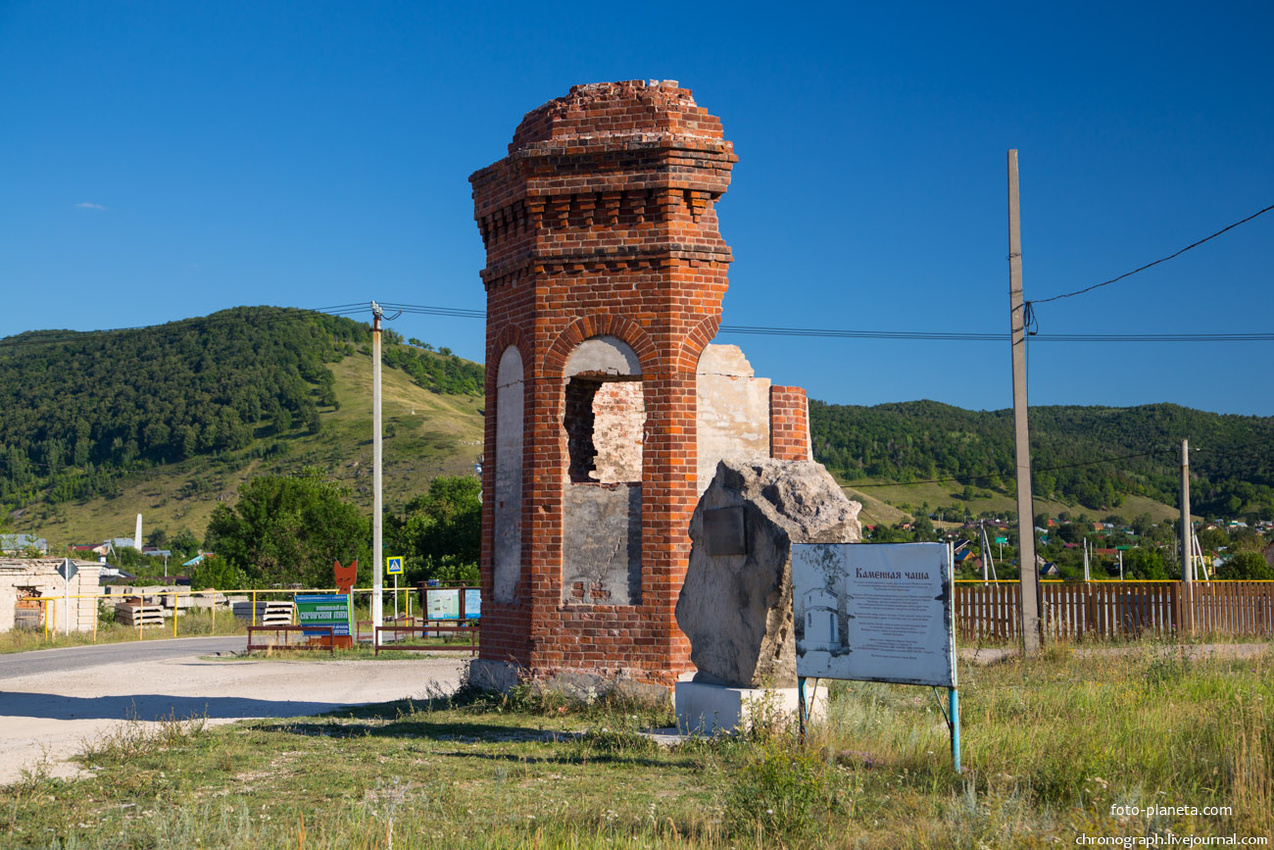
column 19, row 544
column 33, row 594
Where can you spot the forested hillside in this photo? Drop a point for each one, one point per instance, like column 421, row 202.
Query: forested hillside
column 1232, row 457
column 216, row 400
column 82, row 410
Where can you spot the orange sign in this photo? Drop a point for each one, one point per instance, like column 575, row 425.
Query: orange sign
column 345, row 576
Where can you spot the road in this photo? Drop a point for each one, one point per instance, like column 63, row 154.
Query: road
column 68, row 659
column 54, row 700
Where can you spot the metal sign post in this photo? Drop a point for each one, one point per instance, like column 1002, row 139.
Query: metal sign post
column 67, row 570
column 394, row 567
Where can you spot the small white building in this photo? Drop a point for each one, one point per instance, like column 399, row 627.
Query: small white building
column 32, row 588
column 822, row 624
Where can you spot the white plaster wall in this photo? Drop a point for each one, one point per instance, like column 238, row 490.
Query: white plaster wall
column 734, row 410
column 603, row 355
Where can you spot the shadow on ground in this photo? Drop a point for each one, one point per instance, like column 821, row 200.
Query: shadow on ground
column 153, row 707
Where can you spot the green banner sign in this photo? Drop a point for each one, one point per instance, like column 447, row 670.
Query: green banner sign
column 324, row 609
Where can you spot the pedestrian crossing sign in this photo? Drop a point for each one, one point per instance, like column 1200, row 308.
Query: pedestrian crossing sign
column 394, row 566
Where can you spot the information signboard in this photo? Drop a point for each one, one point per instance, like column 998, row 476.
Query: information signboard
column 442, row 603
column 324, row 609
column 472, row 603
column 879, row 613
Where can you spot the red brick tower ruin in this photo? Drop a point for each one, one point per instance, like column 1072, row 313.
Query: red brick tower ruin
column 604, row 278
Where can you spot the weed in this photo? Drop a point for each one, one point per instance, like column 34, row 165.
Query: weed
column 1167, row 664
column 780, row 789
column 134, row 737
column 614, row 742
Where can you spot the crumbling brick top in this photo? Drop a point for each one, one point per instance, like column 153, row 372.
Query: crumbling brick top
column 602, row 113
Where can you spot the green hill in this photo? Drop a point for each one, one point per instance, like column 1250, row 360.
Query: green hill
column 167, row 421
column 170, row 420
column 1092, row 457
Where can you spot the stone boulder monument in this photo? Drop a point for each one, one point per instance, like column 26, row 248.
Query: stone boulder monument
column 736, row 603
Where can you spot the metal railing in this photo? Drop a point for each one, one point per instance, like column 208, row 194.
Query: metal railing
column 304, row 631
column 437, row 628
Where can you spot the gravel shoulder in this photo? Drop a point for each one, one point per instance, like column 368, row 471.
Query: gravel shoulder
column 48, row 711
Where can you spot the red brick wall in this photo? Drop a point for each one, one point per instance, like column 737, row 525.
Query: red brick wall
column 789, row 424
column 601, row 221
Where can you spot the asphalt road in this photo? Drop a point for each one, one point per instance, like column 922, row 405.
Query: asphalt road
column 52, row 701
column 71, row 658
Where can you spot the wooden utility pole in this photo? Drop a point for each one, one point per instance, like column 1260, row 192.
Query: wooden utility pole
column 1029, row 581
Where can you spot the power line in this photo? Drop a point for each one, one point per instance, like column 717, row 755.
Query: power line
column 998, row 338
column 453, row 312
column 1156, row 262
column 941, row 336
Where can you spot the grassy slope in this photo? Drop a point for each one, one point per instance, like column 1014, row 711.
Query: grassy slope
column 434, row 435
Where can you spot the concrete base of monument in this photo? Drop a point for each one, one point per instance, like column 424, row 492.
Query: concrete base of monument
column 498, row 676
column 704, row 709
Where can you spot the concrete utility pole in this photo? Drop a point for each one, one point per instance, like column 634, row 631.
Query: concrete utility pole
column 378, row 560
column 1187, row 533
column 1187, row 536
column 1029, row 581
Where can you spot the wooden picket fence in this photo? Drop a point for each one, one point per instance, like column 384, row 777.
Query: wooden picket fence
column 1099, row 610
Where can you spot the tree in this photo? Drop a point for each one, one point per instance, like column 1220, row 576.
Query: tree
column 440, row 533
column 216, row 573
column 1140, row 563
column 1141, row 524
column 184, row 545
column 1250, row 566
column 924, row 529
column 289, row 530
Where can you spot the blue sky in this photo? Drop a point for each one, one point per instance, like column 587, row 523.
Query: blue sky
column 166, row 160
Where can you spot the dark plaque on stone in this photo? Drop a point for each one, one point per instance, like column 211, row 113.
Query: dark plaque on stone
column 723, row 531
